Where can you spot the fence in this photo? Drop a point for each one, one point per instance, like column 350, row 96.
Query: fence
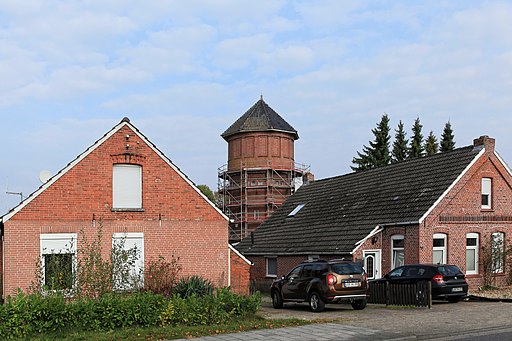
column 401, row 294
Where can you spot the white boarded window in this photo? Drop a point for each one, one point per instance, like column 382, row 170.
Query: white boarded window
column 486, row 193
column 271, row 267
column 471, row 253
column 128, row 260
column 439, row 248
column 127, row 186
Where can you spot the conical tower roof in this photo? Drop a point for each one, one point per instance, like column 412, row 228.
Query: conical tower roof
column 260, row 117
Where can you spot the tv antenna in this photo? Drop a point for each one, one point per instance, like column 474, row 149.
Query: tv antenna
column 16, row 193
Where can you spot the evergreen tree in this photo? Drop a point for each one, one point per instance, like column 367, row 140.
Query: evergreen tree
column 431, row 145
column 416, row 147
column 447, row 138
column 400, row 144
column 377, row 154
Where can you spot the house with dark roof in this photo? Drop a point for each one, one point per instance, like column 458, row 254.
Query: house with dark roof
column 137, row 194
column 447, row 208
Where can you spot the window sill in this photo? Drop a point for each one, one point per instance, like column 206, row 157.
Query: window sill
column 489, row 210
column 127, row 209
column 271, row 276
column 473, row 276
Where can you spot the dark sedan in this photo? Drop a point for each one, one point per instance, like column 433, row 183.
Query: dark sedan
column 448, row 281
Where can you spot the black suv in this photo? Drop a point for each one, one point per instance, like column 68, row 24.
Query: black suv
column 320, row 282
column 448, row 281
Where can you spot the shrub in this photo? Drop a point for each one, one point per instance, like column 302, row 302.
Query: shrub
column 194, row 285
column 25, row 315
column 162, row 276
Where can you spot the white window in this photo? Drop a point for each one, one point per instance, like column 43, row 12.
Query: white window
column 271, row 266
column 397, row 250
column 58, row 260
column 313, row 257
column 439, row 249
column 296, row 210
column 498, row 251
column 128, row 260
column 256, row 214
column 127, row 186
column 471, row 253
column 486, row 193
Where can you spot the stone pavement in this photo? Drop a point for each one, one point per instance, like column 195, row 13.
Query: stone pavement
column 316, row 331
column 376, row 322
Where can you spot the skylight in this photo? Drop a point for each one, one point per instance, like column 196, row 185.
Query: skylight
column 296, row 210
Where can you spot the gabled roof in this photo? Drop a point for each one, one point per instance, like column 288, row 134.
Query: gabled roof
column 260, row 117
column 341, row 211
column 124, row 122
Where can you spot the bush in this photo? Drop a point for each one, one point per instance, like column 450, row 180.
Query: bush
column 25, row 315
column 162, row 276
column 194, row 285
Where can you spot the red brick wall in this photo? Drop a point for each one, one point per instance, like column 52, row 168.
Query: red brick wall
column 464, row 202
column 240, row 272
column 255, row 149
column 176, row 219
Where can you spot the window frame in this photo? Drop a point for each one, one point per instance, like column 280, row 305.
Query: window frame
column 267, row 274
column 498, row 263
column 486, row 191
column 443, row 248
column 119, row 201
column 139, row 265
column 472, row 235
column 397, row 249
column 64, row 242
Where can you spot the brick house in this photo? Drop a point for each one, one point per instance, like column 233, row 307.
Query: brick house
column 451, row 207
column 137, row 192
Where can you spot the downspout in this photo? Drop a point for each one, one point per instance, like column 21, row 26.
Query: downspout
column 229, row 266
column 3, row 258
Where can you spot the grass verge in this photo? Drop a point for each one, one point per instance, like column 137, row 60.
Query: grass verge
column 177, row 332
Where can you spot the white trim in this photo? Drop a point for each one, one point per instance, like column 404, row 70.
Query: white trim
column 477, row 253
column 89, row 151
column 443, row 248
column 451, row 186
column 393, row 238
column 505, row 165
column 240, row 255
column 266, row 267
column 358, row 244
column 63, row 171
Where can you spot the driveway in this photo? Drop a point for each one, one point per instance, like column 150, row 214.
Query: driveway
column 445, row 321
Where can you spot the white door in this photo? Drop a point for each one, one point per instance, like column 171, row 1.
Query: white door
column 372, row 263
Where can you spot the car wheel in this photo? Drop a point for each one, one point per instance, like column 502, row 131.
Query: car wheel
column 277, row 300
column 454, row 299
column 359, row 304
column 315, row 302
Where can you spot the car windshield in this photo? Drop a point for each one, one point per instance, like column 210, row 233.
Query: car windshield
column 347, row 268
column 449, row 270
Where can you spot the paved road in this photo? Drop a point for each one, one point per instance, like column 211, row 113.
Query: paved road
column 461, row 321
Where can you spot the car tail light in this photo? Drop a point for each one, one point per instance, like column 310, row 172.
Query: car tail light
column 438, row 279
column 331, row 279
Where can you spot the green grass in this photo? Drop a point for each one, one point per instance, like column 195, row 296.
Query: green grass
column 177, row 332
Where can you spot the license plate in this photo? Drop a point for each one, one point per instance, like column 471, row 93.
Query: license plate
column 352, row 284
column 456, row 289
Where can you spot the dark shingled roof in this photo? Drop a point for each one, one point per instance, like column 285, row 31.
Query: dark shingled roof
column 342, row 210
column 260, row 117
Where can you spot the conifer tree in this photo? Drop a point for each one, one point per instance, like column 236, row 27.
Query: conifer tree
column 416, row 147
column 431, row 145
column 400, row 144
column 377, row 154
column 447, row 138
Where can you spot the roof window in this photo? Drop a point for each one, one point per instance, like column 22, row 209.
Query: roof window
column 296, row 210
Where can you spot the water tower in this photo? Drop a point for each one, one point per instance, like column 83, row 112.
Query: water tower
column 261, row 171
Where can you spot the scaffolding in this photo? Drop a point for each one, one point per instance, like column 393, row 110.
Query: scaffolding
column 249, row 195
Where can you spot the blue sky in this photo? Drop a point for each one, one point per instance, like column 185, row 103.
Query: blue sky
column 183, row 71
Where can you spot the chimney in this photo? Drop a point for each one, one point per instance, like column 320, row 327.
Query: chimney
column 308, row 178
column 485, row 141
